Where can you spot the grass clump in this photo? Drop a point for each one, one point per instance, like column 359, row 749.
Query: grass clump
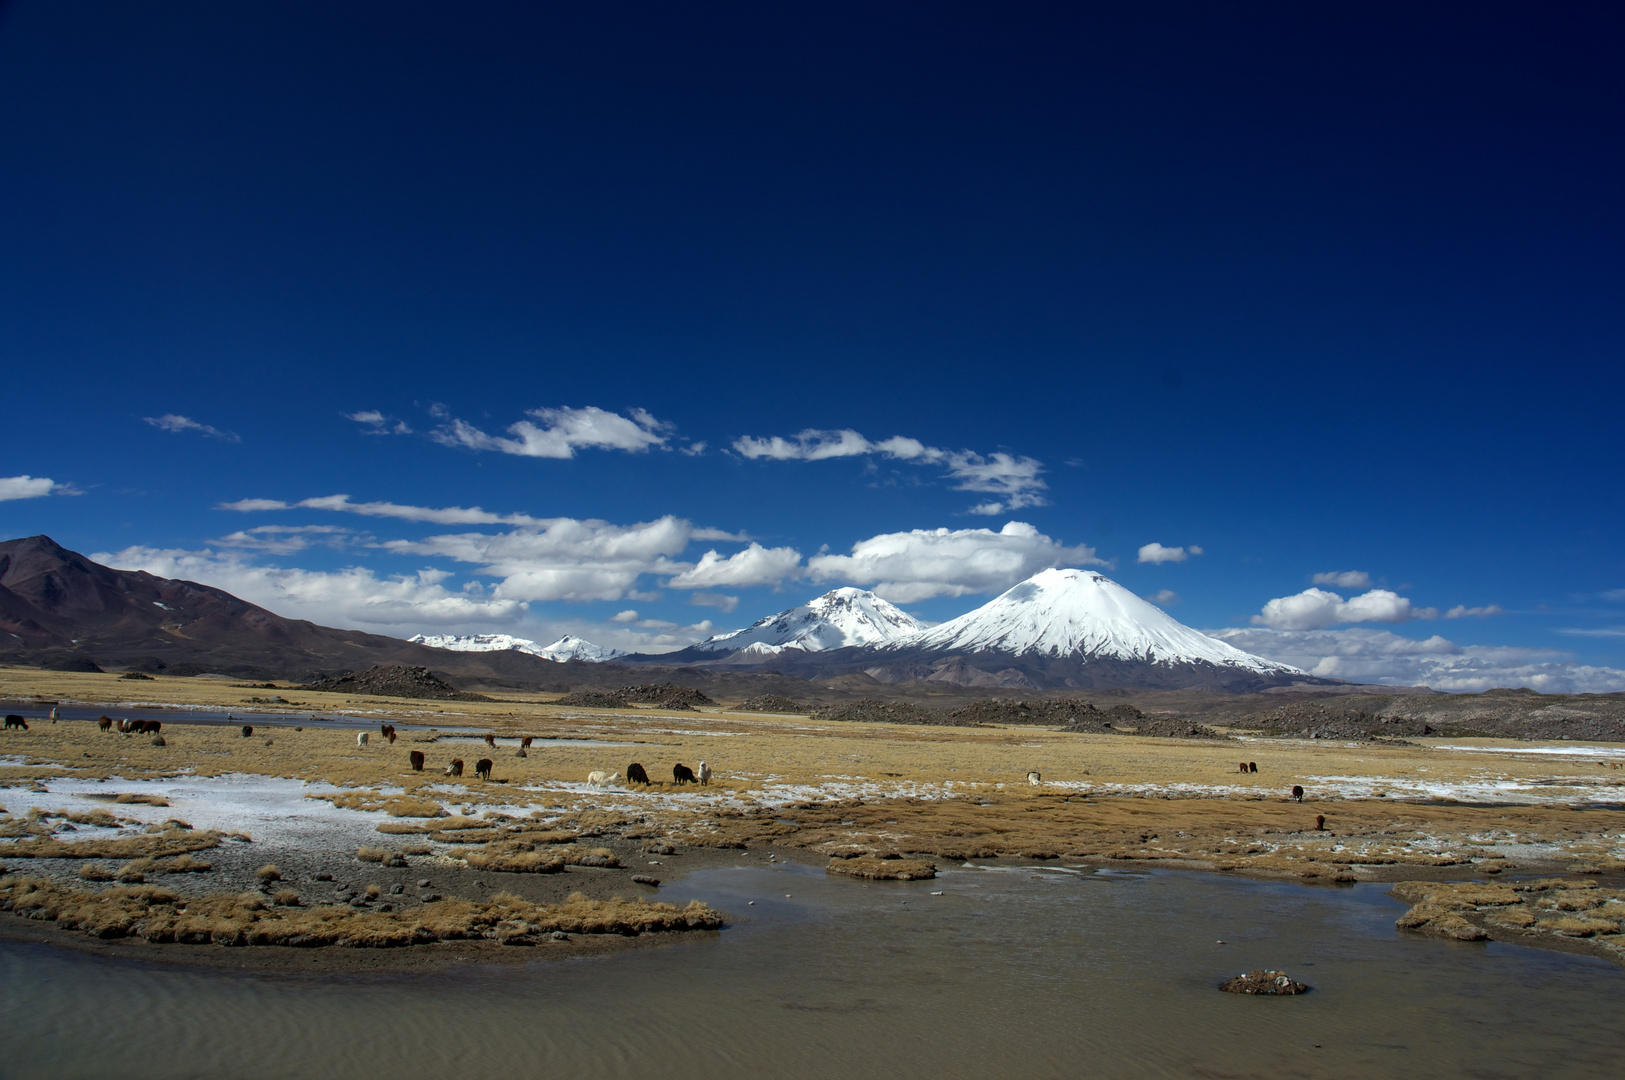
column 185, row 863
column 128, row 797
column 269, row 872
column 867, row 866
column 152, row 845
column 285, row 898
column 380, row 855
column 247, row 920
column 511, row 862
column 95, row 872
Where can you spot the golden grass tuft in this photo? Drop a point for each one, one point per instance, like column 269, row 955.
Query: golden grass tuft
column 404, row 806
column 95, row 872
column 147, row 800
column 269, row 872
column 185, row 863
column 373, row 854
column 285, row 898
column 152, row 845
column 867, row 866
column 374, row 892
column 511, row 862
column 245, row 919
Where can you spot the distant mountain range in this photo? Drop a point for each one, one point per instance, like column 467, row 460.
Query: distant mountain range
column 1059, row 628
column 564, row 649
column 1073, row 628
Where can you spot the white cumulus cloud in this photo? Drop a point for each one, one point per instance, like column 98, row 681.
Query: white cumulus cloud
column 32, row 487
column 1344, row 579
column 1316, row 608
column 558, row 433
column 1015, row 480
column 1370, row 655
column 905, row 567
column 177, row 424
column 1157, row 554
column 352, row 598
column 755, row 565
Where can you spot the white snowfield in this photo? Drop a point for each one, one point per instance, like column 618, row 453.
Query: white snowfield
column 836, row 620
column 1080, row 612
column 565, row 648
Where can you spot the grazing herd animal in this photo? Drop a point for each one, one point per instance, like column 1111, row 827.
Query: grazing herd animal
column 1034, row 779
column 1247, row 766
column 15, row 721
column 248, row 731
column 388, row 732
column 130, row 727
column 361, row 738
column 682, row 774
column 490, row 740
column 524, row 741
column 600, row 778
column 636, row 775
column 482, row 768
column 1320, row 822
column 455, row 768
column 416, row 758
column 1297, row 792
column 704, row 773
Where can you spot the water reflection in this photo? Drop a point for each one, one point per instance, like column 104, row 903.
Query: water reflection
column 1022, row 971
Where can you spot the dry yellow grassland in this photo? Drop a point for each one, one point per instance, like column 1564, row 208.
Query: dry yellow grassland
column 867, row 791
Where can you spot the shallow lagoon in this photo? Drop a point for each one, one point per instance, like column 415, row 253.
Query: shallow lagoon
column 1013, row 970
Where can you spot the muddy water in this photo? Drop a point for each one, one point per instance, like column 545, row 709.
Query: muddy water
column 1009, row 972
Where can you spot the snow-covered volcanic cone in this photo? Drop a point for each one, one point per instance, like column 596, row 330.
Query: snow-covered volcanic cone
column 565, row 648
column 1072, row 628
column 1084, row 614
column 841, row 618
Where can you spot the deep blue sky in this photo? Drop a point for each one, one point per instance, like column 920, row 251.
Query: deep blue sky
column 1314, row 288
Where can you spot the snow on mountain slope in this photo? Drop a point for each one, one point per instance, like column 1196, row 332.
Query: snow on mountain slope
column 565, row 648
column 839, row 618
column 570, row 647
column 1079, row 612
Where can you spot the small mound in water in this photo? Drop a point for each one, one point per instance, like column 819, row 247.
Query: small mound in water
column 394, row 680
column 769, row 703
column 1264, row 982
column 883, row 869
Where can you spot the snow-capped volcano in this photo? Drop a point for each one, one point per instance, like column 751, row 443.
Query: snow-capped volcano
column 1083, row 615
column 565, row 648
column 839, row 619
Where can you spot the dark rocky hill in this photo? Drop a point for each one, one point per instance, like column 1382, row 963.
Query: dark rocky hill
column 59, row 609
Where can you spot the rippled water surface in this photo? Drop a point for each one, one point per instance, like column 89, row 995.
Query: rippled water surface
column 1012, row 972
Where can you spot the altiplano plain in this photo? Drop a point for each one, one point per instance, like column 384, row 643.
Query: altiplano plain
column 308, row 799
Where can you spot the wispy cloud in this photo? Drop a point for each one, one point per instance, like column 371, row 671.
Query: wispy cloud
column 177, row 424
column 374, row 422
column 1344, row 579
column 1365, row 654
column 1164, row 598
column 32, row 487
column 1462, row 611
column 720, row 601
column 558, row 433
column 1014, row 480
column 1155, row 553
column 285, row 539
